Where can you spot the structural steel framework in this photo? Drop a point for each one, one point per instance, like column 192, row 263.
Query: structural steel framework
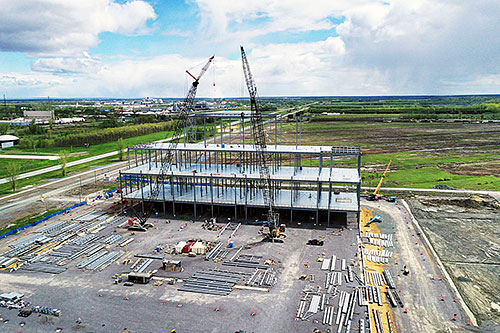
column 212, row 175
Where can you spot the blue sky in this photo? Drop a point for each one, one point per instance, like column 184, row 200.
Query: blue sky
column 110, row 48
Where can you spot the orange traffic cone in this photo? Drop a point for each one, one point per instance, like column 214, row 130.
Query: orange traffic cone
column 441, row 278
column 126, row 297
column 455, row 299
column 163, row 302
column 442, row 298
column 217, row 308
column 470, row 322
column 455, row 317
column 406, row 310
column 253, row 313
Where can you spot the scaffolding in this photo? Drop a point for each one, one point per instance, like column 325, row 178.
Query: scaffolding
column 207, row 176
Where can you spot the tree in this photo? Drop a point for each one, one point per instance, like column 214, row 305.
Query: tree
column 4, row 127
column 51, row 123
column 63, row 158
column 121, row 145
column 13, row 172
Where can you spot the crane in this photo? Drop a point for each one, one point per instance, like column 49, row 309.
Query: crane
column 266, row 185
column 375, row 195
column 184, row 122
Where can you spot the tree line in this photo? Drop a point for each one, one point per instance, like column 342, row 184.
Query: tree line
column 110, row 134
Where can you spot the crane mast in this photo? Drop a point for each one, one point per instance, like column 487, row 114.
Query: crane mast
column 263, row 158
column 184, row 121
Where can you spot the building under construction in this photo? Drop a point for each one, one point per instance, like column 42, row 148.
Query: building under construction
column 219, row 176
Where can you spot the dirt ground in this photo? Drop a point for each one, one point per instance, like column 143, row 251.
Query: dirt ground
column 423, row 310
column 426, row 140
column 464, row 232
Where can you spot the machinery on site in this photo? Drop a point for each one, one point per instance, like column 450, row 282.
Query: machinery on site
column 304, row 277
column 183, row 123
column 274, row 230
column 375, row 195
column 376, row 219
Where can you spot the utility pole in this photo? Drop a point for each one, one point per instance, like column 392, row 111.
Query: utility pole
column 80, row 196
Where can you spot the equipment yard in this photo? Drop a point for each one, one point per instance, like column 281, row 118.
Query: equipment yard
column 91, row 288
column 246, row 282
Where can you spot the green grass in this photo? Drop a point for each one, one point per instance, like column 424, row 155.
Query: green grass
column 40, row 179
column 31, row 165
column 27, row 220
column 25, row 165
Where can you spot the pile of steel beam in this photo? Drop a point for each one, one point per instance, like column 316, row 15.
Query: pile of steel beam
column 46, row 268
column 333, row 279
column 48, row 229
column 374, row 278
column 328, row 315
column 112, row 239
column 210, row 254
column 142, row 265
column 6, row 262
column 244, row 264
column 373, row 294
column 208, row 284
column 104, row 261
column 149, row 256
column 230, row 226
column 388, row 278
column 28, row 241
column 87, row 217
column 378, row 321
column 384, row 240
column 347, row 303
column 91, row 259
column 394, row 298
column 263, row 278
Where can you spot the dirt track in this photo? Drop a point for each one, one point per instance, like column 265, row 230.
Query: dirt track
column 420, row 294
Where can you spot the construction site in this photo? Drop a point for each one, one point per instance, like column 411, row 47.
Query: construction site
column 225, row 228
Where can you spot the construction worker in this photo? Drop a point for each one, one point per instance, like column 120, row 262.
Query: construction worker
column 173, row 331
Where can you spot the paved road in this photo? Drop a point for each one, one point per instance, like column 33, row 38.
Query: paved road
column 31, row 157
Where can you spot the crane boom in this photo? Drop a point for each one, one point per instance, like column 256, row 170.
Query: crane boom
column 377, row 190
column 263, row 158
column 183, row 121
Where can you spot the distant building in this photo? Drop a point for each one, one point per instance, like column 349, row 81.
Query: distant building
column 7, row 141
column 39, row 115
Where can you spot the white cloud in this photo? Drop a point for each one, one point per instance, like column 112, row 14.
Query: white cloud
column 82, row 64
column 382, row 47
column 62, row 28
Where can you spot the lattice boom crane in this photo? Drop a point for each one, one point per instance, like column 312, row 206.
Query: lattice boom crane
column 266, row 183
column 184, row 121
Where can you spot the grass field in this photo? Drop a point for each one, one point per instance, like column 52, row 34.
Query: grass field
column 30, row 165
column 461, row 155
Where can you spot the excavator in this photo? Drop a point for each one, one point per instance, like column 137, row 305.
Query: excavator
column 375, row 195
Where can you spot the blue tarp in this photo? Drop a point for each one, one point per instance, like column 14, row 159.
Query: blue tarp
column 13, row 231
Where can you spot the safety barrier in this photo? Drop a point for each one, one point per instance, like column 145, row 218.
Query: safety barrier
column 45, row 218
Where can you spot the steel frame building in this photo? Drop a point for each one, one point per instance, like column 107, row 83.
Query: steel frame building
column 207, row 177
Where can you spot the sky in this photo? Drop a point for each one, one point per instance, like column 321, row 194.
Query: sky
column 130, row 49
